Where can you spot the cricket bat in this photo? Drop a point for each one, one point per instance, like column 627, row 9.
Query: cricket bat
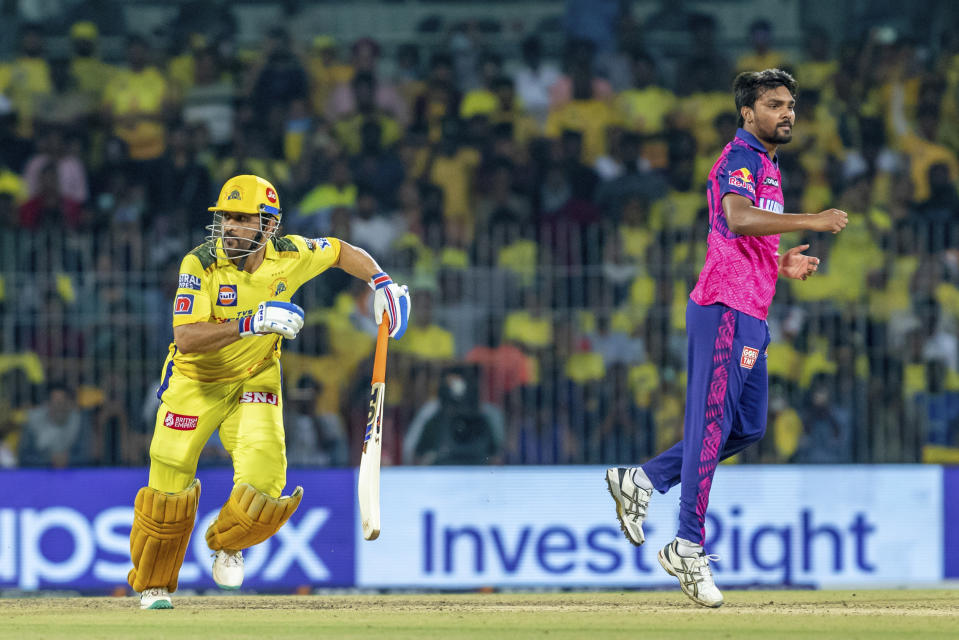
column 368, row 484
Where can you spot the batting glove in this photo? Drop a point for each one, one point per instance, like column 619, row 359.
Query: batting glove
column 394, row 300
column 284, row 318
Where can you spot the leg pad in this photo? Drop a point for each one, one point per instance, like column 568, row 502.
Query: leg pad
column 249, row 517
column 162, row 524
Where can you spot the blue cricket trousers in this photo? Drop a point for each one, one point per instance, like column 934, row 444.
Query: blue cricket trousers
column 726, row 400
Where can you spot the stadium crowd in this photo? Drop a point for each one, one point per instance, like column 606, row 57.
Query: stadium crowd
column 546, row 208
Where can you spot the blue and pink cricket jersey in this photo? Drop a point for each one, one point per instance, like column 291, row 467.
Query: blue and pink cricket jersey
column 726, row 390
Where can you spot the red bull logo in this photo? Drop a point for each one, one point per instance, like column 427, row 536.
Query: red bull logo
column 743, row 179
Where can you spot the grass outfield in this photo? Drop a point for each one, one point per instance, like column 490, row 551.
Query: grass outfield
column 595, row 616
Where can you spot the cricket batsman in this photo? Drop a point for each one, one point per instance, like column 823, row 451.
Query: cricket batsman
column 231, row 311
column 726, row 389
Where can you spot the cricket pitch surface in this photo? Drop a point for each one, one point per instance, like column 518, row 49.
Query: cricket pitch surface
column 594, row 616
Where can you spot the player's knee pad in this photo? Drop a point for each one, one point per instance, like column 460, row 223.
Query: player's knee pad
column 249, row 517
column 162, row 524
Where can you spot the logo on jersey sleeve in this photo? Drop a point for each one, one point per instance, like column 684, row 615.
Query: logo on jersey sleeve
column 180, row 422
column 313, row 243
column 189, row 281
column 227, row 296
column 743, row 179
column 748, row 359
column 183, row 304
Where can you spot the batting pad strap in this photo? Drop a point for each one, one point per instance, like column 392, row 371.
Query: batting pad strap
column 160, row 535
column 249, row 517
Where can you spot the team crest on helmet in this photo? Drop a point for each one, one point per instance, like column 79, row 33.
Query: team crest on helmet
column 234, row 195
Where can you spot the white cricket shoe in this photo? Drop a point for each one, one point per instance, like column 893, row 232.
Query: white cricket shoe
column 631, row 502
column 694, row 575
column 228, row 569
column 155, row 598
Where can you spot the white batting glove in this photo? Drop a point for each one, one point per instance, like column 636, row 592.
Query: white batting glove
column 284, row 318
column 394, row 300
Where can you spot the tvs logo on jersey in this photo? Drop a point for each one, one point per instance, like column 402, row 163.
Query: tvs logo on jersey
column 743, row 179
column 183, row 304
column 189, row 281
column 227, row 296
column 748, row 359
column 259, row 397
column 180, row 422
column 271, row 195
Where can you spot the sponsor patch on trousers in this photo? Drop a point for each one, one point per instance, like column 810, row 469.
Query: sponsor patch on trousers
column 748, row 358
column 180, row 422
column 259, row 397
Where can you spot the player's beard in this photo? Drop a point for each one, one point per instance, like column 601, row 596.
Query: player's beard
column 235, row 247
column 779, row 134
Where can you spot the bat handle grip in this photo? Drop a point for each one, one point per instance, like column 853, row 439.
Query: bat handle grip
column 379, row 360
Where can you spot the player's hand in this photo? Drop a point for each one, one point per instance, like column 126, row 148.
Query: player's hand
column 831, row 220
column 284, row 318
column 394, row 300
column 793, row 264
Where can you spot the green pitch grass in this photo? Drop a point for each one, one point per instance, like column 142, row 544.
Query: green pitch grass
column 594, row 616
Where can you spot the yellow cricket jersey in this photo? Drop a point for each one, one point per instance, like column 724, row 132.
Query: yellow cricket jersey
column 214, row 290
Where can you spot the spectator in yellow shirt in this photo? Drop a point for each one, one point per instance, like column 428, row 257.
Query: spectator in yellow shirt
column 819, row 66
column 644, row 107
column 482, row 99
column 134, row 105
column 89, row 74
column 26, row 81
column 762, row 56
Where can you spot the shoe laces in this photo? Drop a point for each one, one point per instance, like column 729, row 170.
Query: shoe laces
column 636, row 505
column 700, row 565
column 231, row 558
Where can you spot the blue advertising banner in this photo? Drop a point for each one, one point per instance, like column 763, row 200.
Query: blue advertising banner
column 71, row 529
column 950, row 522
column 773, row 525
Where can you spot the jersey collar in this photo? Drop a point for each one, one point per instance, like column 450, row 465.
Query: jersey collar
column 222, row 260
column 754, row 142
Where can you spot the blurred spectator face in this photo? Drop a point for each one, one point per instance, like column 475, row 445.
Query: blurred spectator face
column 366, row 206
column 725, row 125
column 31, row 42
column 340, row 174
column 59, row 404
column 137, row 53
column 408, row 57
column 532, row 51
column 490, row 69
column 818, row 44
column 365, row 54
column 371, row 136
column 409, row 196
column 761, row 34
column 572, row 145
column 205, row 69
column 49, row 184
column 644, row 71
column 505, row 93
column 83, row 47
column 441, row 69
column 582, row 79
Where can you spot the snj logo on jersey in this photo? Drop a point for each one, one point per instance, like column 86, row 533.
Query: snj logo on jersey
column 183, row 304
column 748, row 359
column 743, row 179
column 271, row 195
column 227, row 296
column 259, row 397
column 180, row 422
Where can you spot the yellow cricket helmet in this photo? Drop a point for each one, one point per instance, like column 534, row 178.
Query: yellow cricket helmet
column 248, row 194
